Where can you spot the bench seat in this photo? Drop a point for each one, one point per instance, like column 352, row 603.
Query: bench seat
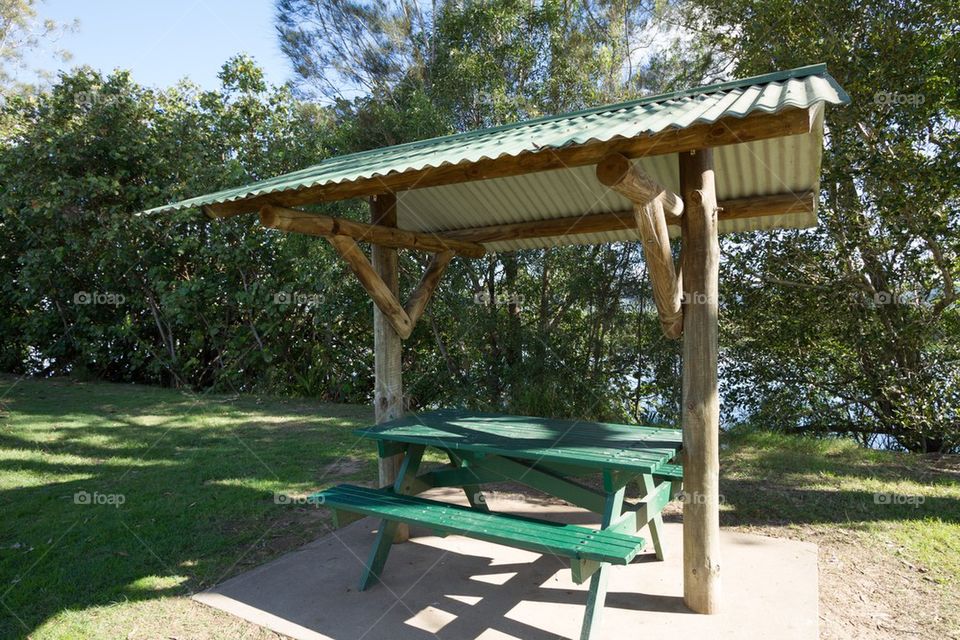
column 564, row 540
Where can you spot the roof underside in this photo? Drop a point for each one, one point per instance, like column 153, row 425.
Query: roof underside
column 776, row 165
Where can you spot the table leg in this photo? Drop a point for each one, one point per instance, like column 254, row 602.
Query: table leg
column 612, row 508
column 474, row 496
column 656, row 523
column 385, row 534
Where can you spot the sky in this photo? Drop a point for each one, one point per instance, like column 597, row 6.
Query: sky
column 162, row 42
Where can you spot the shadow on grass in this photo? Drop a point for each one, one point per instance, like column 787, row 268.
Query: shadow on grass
column 805, row 481
column 113, row 493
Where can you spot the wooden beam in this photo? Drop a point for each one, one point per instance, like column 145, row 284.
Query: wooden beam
column 382, row 293
column 649, row 200
column 754, row 207
column 700, row 403
column 428, row 284
column 731, row 130
column 617, row 172
column 573, row 225
column 387, row 346
column 378, row 234
column 665, row 281
column 779, row 204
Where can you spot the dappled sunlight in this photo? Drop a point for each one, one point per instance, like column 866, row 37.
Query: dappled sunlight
column 156, row 583
column 132, row 499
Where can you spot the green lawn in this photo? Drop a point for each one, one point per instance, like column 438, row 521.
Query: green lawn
column 180, row 492
column 197, row 477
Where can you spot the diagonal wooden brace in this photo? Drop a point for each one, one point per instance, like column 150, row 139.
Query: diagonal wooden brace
column 652, row 204
column 403, row 319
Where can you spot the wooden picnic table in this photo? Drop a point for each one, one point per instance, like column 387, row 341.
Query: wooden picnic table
column 553, row 456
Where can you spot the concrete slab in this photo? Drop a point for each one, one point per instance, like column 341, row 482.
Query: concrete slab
column 457, row 588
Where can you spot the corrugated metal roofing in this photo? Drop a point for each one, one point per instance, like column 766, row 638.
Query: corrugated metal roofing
column 757, row 168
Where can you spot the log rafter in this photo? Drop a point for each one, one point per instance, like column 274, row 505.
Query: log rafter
column 316, row 224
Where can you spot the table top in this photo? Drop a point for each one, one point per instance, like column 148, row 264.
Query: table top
column 582, row 443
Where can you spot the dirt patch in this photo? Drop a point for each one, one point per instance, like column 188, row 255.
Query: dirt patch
column 866, row 591
column 345, row 466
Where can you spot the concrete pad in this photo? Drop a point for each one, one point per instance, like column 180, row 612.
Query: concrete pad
column 458, row 588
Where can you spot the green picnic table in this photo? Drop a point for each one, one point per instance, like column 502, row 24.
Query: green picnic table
column 553, row 456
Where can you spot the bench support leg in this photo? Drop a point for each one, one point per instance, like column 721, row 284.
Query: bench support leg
column 612, row 508
column 656, row 523
column 388, row 529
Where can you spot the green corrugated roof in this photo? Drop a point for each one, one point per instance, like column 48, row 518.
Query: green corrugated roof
column 801, row 88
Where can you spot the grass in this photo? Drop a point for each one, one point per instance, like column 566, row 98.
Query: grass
column 182, row 494
column 889, row 521
column 197, row 479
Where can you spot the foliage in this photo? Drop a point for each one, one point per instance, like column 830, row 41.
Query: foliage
column 809, row 341
column 852, row 327
column 20, row 32
column 91, row 288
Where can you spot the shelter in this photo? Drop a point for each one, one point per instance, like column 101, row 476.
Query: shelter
column 732, row 157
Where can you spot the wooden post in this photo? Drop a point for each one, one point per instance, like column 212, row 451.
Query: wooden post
column 701, row 418
column 387, row 345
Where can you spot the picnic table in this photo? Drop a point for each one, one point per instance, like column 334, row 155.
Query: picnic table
column 553, row 456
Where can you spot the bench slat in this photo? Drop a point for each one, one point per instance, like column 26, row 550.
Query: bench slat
column 672, row 471
column 568, row 541
column 557, row 533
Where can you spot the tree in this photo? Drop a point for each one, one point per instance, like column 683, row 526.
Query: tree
column 852, row 327
column 89, row 288
column 554, row 331
column 21, row 31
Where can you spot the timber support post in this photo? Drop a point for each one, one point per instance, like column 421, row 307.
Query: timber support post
column 700, row 403
column 387, row 344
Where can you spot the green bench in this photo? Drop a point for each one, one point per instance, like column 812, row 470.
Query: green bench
column 553, row 456
column 584, row 547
